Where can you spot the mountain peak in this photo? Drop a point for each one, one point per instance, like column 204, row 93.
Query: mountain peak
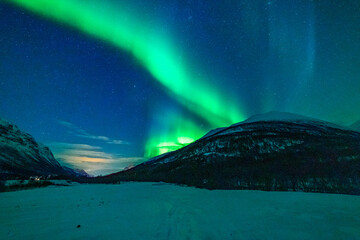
column 278, row 116
column 274, row 116
column 289, row 117
column 6, row 124
column 21, row 155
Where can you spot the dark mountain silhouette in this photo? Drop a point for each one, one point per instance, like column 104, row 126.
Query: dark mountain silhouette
column 275, row 151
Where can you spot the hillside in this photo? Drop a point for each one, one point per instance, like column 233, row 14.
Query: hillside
column 22, row 156
column 297, row 154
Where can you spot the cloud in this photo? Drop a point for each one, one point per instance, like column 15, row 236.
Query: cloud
column 66, row 124
column 76, row 131
column 64, row 150
column 61, row 145
column 93, row 159
column 118, row 142
column 94, row 137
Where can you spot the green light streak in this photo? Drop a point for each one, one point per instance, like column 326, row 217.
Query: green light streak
column 151, row 48
column 174, row 132
column 154, row 51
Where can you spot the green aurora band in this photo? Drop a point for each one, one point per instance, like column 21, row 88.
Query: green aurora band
column 176, row 132
column 152, row 49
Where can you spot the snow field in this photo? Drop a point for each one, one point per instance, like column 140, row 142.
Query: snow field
column 165, row 211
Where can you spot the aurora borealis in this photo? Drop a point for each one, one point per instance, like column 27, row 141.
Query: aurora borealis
column 152, row 50
column 157, row 75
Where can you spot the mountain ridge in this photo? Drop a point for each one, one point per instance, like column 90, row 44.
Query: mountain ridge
column 295, row 154
column 22, row 156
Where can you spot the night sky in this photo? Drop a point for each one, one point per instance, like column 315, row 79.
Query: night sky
column 107, row 84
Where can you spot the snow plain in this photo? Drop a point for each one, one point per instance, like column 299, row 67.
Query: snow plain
column 165, row 211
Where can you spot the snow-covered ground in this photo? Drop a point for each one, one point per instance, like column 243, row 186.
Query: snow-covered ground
column 164, row 211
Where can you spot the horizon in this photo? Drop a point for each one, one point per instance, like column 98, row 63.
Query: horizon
column 268, row 116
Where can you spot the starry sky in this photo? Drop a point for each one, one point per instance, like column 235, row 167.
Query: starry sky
column 107, row 84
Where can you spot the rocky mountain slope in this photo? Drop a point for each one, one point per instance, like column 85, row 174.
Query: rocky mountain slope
column 268, row 152
column 21, row 155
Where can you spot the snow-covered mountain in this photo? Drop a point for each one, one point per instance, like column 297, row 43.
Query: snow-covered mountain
column 21, row 155
column 275, row 151
column 76, row 172
column 280, row 116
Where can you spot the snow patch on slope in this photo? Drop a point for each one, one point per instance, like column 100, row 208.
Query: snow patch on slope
column 20, row 153
column 289, row 117
column 278, row 116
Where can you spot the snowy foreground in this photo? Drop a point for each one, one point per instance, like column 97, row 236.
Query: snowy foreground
column 164, row 211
